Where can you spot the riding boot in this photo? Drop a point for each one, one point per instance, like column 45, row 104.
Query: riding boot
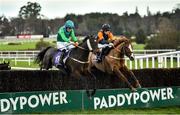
column 62, row 57
column 99, row 57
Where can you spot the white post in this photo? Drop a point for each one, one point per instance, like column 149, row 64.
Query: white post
column 136, row 65
column 178, row 60
column 153, row 62
column 171, row 61
column 160, row 62
column 147, row 62
column 141, row 63
column 165, row 61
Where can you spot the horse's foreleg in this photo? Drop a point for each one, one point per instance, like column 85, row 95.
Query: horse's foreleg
column 94, row 83
column 122, row 77
column 85, row 83
column 137, row 85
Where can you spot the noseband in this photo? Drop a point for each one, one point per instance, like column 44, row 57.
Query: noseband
column 119, row 51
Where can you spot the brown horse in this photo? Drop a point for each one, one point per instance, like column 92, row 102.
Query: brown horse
column 76, row 64
column 114, row 62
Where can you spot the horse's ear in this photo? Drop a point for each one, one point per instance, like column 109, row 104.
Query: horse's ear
column 8, row 63
column 4, row 62
column 85, row 38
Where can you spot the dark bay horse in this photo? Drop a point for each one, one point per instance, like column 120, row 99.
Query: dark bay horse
column 114, row 62
column 5, row 66
column 76, row 64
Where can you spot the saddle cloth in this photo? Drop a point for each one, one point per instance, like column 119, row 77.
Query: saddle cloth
column 57, row 58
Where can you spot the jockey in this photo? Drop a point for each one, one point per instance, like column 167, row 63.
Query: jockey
column 63, row 41
column 105, row 39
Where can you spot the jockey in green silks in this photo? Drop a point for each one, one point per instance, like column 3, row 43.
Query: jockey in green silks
column 63, row 38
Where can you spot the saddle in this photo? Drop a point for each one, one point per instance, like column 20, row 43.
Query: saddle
column 57, row 56
column 100, row 56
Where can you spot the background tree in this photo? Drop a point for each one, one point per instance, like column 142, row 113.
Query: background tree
column 31, row 10
column 30, row 14
column 140, row 37
column 6, row 27
column 167, row 38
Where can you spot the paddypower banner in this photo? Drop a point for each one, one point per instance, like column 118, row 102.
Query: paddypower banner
column 51, row 101
column 150, row 97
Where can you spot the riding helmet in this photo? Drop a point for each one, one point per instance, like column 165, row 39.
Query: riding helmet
column 106, row 27
column 69, row 24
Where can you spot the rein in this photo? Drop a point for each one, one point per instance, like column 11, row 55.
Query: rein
column 116, row 49
column 89, row 46
column 90, row 50
column 116, row 58
column 79, row 61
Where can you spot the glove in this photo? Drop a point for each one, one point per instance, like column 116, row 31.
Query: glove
column 111, row 44
column 76, row 44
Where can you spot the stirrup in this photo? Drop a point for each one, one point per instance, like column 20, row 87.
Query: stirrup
column 98, row 60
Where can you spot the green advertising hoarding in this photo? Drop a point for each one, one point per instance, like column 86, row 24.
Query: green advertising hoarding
column 48, row 101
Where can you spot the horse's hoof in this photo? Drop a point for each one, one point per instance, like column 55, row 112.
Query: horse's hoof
column 139, row 86
column 133, row 89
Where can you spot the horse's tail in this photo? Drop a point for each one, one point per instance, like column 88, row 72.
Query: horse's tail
column 40, row 55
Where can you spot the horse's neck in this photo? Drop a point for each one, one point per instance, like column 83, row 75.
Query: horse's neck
column 117, row 52
column 80, row 54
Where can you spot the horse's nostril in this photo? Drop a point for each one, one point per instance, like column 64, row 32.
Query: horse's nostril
column 131, row 58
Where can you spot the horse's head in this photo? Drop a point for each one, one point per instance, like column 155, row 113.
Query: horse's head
column 128, row 50
column 125, row 47
column 90, row 43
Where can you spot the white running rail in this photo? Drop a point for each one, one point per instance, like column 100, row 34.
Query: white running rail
column 144, row 60
column 162, row 60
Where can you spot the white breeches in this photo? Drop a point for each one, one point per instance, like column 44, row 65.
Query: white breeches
column 64, row 45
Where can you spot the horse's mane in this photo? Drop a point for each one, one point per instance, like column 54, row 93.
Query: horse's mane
column 86, row 38
column 121, row 39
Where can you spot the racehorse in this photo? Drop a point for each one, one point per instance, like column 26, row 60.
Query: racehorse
column 5, row 66
column 76, row 64
column 114, row 62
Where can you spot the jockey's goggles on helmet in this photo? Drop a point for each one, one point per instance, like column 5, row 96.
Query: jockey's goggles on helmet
column 68, row 27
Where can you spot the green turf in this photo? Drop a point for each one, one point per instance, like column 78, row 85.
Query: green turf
column 23, row 46
column 138, row 46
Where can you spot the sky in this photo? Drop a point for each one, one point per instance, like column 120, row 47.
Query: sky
column 59, row 8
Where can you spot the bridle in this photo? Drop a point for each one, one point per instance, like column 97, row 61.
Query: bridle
column 119, row 51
